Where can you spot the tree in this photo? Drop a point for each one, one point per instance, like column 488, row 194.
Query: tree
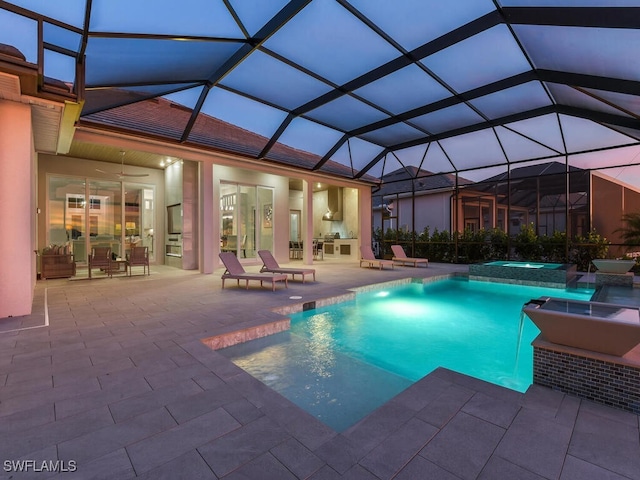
column 630, row 233
column 527, row 244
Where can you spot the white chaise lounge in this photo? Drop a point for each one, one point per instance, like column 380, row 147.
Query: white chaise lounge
column 368, row 259
column 400, row 257
column 235, row 270
column 270, row 264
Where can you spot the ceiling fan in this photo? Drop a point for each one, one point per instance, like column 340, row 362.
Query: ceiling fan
column 121, row 174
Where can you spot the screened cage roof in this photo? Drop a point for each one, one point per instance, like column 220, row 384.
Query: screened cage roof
column 370, row 85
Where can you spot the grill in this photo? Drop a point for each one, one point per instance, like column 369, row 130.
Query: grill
column 330, row 237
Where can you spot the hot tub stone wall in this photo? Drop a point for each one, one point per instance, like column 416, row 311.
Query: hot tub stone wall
column 604, row 382
column 547, row 277
column 616, row 279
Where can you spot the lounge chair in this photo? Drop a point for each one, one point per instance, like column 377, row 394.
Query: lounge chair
column 400, row 257
column 235, row 270
column 271, row 265
column 369, row 259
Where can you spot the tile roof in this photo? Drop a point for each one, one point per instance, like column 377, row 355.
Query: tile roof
column 548, row 168
column 167, row 120
column 399, row 181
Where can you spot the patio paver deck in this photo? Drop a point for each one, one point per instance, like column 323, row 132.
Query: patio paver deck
column 120, row 382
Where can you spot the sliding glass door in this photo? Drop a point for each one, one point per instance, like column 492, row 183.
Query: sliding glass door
column 138, row 216
column 86, row 213
column 265, row 220
column 246, row 219
column 104, row 225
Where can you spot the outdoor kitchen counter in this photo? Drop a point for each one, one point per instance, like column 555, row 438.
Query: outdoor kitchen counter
column 343, row 248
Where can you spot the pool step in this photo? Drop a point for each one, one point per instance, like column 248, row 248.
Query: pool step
column 234, row 337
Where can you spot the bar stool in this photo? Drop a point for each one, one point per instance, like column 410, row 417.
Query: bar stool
column 317, row 250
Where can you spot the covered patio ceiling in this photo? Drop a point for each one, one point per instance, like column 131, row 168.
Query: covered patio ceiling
column 372, row 85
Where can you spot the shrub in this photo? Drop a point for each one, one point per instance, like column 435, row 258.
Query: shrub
column 472, row 246
column 553, row 248
column 483, row 245
column 392, row 237
column 441, row 247
column 630, row 232
column 586, row 248
column 498, row 246
column 423, row 247
column 527, row 246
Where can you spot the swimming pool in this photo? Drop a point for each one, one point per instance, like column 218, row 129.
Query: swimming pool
column 343, row 361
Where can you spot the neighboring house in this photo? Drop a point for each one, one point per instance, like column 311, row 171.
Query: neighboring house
column 534, row 194
column 395, row 206
column 537, row 194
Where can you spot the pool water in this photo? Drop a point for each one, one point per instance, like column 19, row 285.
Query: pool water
column 501, row 263
column 618, row 294
column 343, row 361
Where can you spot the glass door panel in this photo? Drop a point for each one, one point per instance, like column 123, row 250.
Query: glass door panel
column 148, row 218
column 228, row 224
column 104, row 211
column 247, row 222
column 246, row 219
column 138, row 216
column 66, row 213
column 265, row 222
column 294, row 225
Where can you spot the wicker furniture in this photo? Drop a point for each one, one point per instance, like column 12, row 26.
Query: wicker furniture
column 56, row 261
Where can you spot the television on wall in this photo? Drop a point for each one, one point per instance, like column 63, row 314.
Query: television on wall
column 174, row 218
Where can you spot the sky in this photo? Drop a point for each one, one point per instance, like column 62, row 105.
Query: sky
column 331, row 46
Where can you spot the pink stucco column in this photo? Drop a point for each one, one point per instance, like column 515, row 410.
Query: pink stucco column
column 209, row 237
column 364, row 216
column 17, row 206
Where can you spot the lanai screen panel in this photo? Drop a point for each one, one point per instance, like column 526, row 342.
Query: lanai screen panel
column 487, row 83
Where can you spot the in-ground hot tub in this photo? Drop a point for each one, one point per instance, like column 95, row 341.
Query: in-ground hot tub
column 555, row 275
